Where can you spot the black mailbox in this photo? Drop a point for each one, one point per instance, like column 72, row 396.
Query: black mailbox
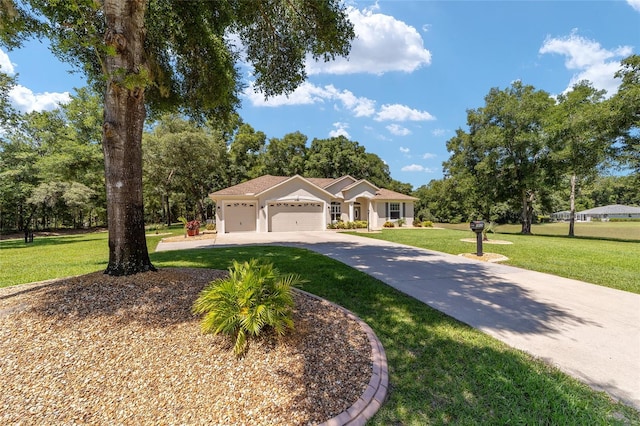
column 477, row 225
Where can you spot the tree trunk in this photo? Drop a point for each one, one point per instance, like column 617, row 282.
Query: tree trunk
column 527, row 213
column 124, row 115
column 572, row 208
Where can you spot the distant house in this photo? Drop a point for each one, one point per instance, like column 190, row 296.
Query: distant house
column 604, row 213
column 287, row 204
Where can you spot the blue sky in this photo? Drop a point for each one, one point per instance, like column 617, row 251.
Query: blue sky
column 414, row 70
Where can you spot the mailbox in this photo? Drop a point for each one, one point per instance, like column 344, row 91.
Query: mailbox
column 477, row 226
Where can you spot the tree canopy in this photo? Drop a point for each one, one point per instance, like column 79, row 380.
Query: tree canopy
column 172, row 56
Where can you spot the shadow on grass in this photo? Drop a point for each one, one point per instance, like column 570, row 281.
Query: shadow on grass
column 441, row 370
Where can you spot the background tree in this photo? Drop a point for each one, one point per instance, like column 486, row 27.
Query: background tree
column 625, row 118
column 246, row 154
column 186, row 160
column 165, row 55
column 286, row 156
column 507, row 140
column 578, row 141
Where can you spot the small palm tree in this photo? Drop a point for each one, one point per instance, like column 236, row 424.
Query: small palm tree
column 253, row 297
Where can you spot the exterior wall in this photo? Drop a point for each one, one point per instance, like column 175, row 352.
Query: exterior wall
column 380, row 213
column 359, row 191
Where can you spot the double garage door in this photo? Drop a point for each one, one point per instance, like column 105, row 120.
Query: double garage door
column 295, row 216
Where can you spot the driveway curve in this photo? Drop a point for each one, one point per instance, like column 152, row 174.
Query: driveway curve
column 588, row 331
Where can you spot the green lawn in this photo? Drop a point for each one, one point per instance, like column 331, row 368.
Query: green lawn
column 614, row 264
column 441, row 371
column 623, row 231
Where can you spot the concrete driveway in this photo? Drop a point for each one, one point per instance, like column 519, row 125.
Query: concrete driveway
column 588, row 331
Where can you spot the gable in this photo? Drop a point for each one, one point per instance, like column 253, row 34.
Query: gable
column 295, row 188
column 359, row 189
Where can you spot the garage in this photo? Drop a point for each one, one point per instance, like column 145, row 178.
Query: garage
column 240, row 217
column 295, row 216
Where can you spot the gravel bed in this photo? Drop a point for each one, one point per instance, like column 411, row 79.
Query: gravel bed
column 96, row 349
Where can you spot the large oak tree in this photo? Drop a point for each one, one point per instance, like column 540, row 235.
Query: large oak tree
column 163, row 55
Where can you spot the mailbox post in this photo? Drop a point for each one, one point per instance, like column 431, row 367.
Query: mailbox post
column 477, row 226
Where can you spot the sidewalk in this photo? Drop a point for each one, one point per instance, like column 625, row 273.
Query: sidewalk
column 590, row 332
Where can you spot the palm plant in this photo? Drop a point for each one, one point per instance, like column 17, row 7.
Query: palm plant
column 253, row 297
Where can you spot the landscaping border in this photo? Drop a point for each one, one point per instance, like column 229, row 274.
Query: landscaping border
column 376, row 393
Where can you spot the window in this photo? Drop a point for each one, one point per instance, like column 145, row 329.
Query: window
column 335, row 211
column 394, row 210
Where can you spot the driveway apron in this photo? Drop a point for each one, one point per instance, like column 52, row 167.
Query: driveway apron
column 590, row 332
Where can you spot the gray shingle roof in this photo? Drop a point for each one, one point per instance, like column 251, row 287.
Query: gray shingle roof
column 612, row 209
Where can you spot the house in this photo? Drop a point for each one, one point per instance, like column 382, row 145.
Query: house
column 289, row 204
column 604, row 213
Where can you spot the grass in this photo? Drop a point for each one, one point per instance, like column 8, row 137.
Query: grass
column 621, row 231
column 441, row 371
column 614, row 264
column 58, row 256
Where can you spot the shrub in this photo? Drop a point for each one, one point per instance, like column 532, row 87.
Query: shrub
column 401, row 222
column 389, row 224
column 427, row 224
column 210, row 227
column 254, row 297
column 417, row 223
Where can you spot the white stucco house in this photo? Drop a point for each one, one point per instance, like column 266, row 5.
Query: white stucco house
column 289, row 204
column 613, row 211
column 603, row 213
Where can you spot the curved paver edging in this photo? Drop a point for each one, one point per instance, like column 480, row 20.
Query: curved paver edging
column 374, row 396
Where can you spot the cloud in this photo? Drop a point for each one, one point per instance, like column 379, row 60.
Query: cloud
column 398, row 130
column 416, row 168
column 429, row 156
column 26, row 101
column 340, row 130
column 438, row 132
column 6, row 66
column 634, row 4
column 310, row 94
column 404, row 150
column 589, row 59
column 398, row 112
column 382, row 44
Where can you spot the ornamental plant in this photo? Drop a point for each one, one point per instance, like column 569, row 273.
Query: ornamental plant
column 193, row 224
column 254, row 298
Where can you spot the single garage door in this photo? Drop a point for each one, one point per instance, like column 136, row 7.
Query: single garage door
column 240, row 217
column 295, row 216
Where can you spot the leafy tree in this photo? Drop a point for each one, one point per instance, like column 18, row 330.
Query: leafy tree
column 168, row 54
column 579, row 143
column 7, row 112
column 286, row 156
column 246, row 154
column 506, row 149
column 182, row 157
column 18, row 178
column 625, row 121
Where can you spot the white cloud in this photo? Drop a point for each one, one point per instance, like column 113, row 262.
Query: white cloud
column 340, row 130
column 26, row 101
column 382, row 44
column 438, row 132
column 404, row 150
column 429, row 156
column 6, row 66
column 589, row 59
column 310, row 94
column 416, row 168
column 398, row 130
column 412, row 168
column 398, row 112
column 634, row 4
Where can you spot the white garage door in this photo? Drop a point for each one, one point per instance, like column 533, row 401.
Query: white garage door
column 240, row 217
column 295, row 216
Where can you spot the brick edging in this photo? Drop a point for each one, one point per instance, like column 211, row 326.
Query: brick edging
column 374, row 396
